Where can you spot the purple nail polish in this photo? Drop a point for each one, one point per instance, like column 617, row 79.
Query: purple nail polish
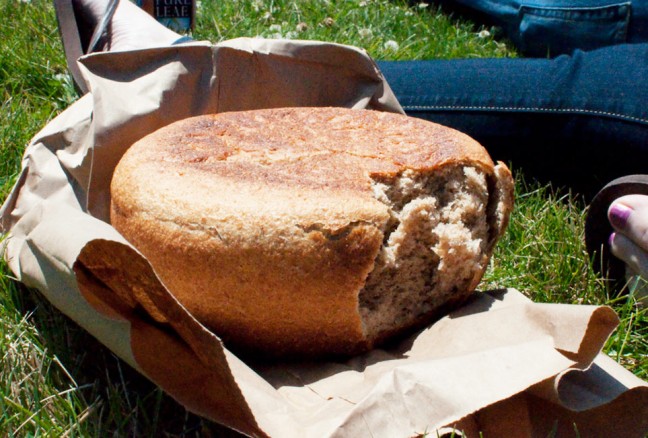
column 619, row 215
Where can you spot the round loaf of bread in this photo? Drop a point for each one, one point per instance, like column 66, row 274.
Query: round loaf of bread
column 312, row 231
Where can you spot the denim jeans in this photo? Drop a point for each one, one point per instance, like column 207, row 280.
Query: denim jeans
column 545, row 28
column 579, row 120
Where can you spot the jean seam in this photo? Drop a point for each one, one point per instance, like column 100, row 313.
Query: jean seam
column 526, row 109
column 544, row 11
column 619, row 13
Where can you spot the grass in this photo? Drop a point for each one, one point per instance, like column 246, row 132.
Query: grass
column 386, row 29
column 543, row 255
column 56, row 380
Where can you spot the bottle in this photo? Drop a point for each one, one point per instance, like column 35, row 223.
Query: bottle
column 177, row 15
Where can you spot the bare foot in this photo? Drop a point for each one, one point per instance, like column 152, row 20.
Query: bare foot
column 628, row 216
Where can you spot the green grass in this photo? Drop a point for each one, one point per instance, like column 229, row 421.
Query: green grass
column 543, row 255
column 386, row 29
column 56, row 380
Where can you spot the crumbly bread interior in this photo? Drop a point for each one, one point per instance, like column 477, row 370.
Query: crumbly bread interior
column 433, row 244
column 310, row 232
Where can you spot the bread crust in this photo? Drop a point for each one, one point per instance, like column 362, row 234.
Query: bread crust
column 263, row 223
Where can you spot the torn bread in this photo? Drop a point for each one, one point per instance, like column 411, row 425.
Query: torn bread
column 312, row 231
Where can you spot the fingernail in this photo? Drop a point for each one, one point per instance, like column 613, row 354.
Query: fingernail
column 611, row 239
column 619, row 215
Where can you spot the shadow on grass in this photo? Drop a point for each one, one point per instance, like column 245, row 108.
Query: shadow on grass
column 118, row 400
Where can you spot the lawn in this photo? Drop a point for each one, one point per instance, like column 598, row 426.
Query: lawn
column 56, row 380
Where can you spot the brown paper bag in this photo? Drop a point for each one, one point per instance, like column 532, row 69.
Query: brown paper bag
column 500, row 365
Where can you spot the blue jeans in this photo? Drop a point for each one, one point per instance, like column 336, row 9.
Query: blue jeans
column 579, row 120
column 552, row 27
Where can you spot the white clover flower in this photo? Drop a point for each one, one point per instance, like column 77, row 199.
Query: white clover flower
column 501, row 48
column 301, row 27
column 484, row 34
column 423, row 5
column 290, row 35
column 257, row 5
column 275, row 28
column 267, row 16
column 391, row 45
column 365, row 33
column 409, row 13
column 363, row 3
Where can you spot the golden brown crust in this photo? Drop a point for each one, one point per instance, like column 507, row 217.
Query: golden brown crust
column 263, row 223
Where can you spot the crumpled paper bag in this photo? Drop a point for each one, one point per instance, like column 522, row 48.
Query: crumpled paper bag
column 500, row 365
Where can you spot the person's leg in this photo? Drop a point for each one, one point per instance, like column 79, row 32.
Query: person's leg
column 552, row 27
column 576, row 120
